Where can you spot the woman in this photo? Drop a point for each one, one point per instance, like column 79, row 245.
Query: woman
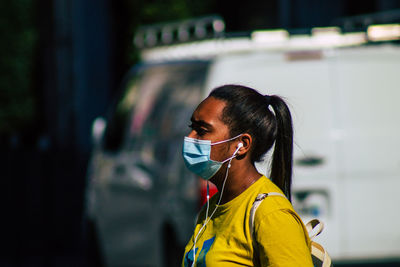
column 231, row 130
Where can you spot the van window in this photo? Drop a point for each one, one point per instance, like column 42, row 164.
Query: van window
column 116, row 123
column 169, row 95
column 155, row 104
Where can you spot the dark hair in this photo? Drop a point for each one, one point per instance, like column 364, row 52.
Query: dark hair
column 248, row 111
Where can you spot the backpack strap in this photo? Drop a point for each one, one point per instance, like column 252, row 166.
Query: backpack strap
column 253, row 210
column 319, row 255
column 313, row 224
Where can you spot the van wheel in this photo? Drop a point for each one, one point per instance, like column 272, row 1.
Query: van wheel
column 173, row 251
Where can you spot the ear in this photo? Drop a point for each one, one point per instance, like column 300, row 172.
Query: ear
column 246, row 141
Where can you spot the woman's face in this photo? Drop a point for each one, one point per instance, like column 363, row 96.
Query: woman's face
column 207, row 125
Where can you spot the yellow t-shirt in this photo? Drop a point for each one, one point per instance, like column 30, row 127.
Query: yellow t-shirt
column 226, row 240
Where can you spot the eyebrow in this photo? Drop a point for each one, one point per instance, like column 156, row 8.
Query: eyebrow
column 201, row 123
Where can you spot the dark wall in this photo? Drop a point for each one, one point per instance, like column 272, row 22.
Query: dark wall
column 78, row 67
column 44, row 169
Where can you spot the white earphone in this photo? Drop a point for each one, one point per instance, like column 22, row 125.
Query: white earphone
column 207, row 219
column 240, row 145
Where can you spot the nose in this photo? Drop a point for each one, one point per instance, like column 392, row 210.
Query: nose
column 192, row 134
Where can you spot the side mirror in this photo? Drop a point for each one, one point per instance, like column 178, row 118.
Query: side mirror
column 98, row 129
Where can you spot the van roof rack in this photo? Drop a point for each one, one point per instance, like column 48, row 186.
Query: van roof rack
column 179, row 31
column 205, row 38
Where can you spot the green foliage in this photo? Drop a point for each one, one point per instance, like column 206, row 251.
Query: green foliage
column 18, row 39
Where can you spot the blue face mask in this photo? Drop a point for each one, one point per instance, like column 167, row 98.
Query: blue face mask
column 196, row 154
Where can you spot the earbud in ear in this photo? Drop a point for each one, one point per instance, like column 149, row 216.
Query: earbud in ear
column 236, row 151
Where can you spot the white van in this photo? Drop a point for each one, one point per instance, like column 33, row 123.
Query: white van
column 344, row 93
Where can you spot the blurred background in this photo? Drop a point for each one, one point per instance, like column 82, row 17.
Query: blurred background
column 62, row 63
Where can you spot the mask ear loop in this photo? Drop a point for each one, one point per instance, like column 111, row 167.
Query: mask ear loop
column 208, row 203
column 227, row 140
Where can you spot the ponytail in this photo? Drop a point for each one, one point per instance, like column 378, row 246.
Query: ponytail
column 282, row 158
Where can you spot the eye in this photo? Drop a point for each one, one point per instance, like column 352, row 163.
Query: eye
column 199, row 130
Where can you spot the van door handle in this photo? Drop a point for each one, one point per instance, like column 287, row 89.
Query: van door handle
column 309, row 161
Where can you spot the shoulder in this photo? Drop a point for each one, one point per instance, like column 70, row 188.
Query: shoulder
column 276, row 214
column 276, row 210
column 273, row 203
column 282, row 239
column 278, row 219
column 275, row 220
